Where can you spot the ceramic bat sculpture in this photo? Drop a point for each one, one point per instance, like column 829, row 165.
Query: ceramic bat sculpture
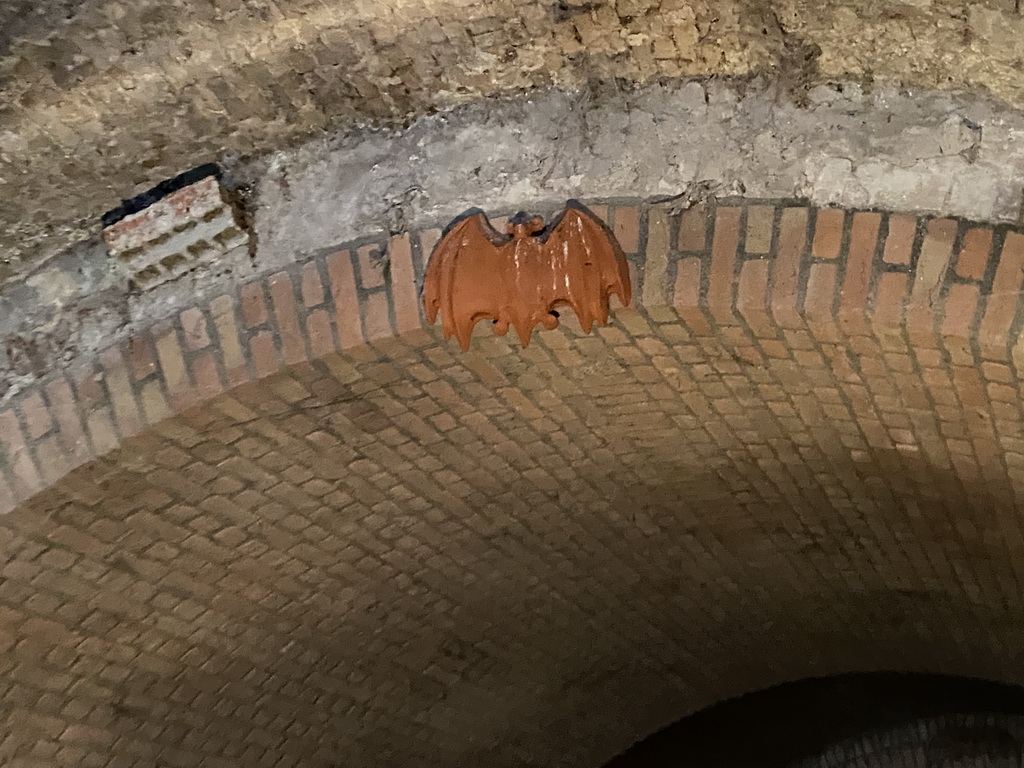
column 521, row 278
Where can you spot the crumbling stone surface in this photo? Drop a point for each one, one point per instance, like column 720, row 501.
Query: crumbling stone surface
column 100, row 100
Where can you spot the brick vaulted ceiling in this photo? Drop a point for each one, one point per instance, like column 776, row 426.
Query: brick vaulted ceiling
column 290, row 527
column 100, row 100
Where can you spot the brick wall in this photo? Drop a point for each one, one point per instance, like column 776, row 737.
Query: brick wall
column 304, row 531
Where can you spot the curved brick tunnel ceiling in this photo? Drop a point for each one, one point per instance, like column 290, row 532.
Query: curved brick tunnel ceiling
column 803, row 456
column 101, row 100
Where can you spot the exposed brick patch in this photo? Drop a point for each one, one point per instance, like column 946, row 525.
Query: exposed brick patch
column 899, row 240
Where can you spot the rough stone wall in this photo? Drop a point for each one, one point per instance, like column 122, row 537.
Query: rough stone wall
column 99, row 100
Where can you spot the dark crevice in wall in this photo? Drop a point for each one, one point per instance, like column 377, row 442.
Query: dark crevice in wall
column 774, row 727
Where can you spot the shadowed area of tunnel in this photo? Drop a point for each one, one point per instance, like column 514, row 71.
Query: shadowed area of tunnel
column 507, row 557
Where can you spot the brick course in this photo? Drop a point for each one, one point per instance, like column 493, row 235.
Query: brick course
column 294, row 533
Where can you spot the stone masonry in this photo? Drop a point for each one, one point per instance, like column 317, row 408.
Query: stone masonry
column 304, row 531
column 101, row 99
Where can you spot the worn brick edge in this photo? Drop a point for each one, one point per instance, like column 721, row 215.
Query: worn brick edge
column 754, row 269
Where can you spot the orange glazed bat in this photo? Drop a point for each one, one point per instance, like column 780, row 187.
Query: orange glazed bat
column 519, row 279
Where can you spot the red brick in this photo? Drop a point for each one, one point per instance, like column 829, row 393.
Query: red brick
column 961, row 305
column 154, row 404
column 899, row 242
column 17, row 455
column 7, row 499
column 932, row 262
column 403, row 285
column 890, row 297
column 828, row 233
column 859, row 261
column 656, row 259
column 371, row 267
column 929, row 275
column 141, row 357
column 122, row 395
column 346, row 302
column 53, row 460
column 627, row 229
column 693, row 229
column 786, row 269
column 1001, row 303
column 312, row 286
column 88, row 388
column 614, row 303
column 820, row 290
column 687, row 289
column 282, row 295
column 194, row 330
column 37, row 416
column 254, row 305
column 972, row 260
column 753, row 285
column 428, row 240
column 172, row 365
column 207, row 377
column 69, row 422
column 94, row 408
column 753, row 302
column 723, row 260
column 264, row 354
column 321, row 336
column 760, row 221
column 376, row 322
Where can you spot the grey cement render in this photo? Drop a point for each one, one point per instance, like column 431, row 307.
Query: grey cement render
column 917, row 152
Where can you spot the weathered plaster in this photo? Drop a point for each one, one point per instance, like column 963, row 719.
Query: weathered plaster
column 932, row 152
column 100, row 100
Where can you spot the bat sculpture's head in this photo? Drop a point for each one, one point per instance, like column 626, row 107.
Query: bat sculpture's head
column 524, row 225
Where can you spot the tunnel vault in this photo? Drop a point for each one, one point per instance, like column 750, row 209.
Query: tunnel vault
column 292, row 526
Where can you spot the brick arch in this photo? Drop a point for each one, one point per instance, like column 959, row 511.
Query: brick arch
column 763, row 274
column 315, row 529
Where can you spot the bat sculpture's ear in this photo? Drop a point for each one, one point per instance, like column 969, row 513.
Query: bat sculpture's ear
column 523, row 224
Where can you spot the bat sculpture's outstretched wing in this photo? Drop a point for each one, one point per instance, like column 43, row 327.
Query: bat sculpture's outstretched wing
column 463, row 277
column 587, row 266
column 518, row 280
